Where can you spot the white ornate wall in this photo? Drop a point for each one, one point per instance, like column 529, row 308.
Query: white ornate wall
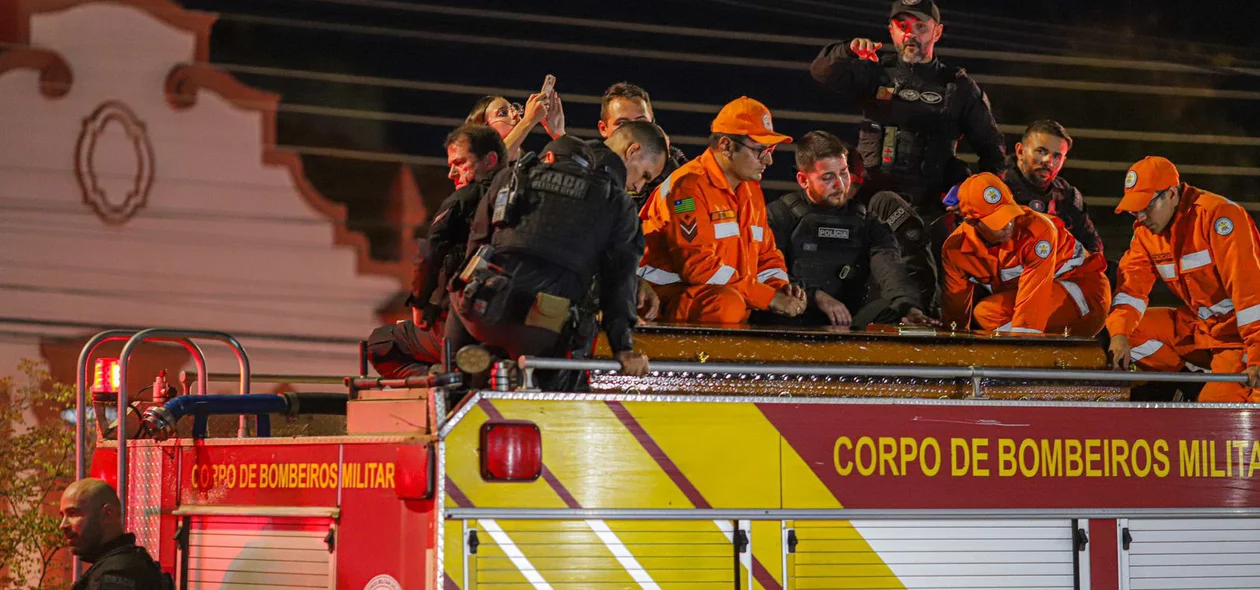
column 140, row 187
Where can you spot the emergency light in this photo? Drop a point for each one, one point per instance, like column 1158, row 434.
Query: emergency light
column 105, row 379
column 511, row 451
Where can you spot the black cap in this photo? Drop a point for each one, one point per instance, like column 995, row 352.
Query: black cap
column 924, row 9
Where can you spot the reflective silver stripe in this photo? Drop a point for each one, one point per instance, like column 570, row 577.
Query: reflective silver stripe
column 1077, row 259
column 657, row 276
column 663, row 190
column 1012, row 273
column 1246, row 316
column 1195, row 260
column 1223, row 307
column 1129, row 300
column 726, row 229
column 1167, row 271
column 774, row 273
column 1077, row 295
column 722, row 276
column 1144, row 350
column 514, row 554
column 758, row 233
column 976, row 281
column 1008, row 328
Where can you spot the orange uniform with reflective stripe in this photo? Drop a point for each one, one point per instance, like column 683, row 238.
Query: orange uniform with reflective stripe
column 1041, row 280
column 710, row 253
column 1208, row 258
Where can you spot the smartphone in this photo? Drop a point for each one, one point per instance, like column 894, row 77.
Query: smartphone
column 548, row 84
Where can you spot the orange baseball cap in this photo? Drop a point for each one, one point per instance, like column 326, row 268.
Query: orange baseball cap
column 985, row 197
column 1145, row 178
column 746, row 116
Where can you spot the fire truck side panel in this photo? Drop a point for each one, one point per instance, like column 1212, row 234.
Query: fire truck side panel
column 1200, row 553
column 379, row 534
column 951, row 495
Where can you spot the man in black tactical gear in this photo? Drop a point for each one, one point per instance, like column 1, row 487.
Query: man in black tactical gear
column 91, row 520
column 916, row 109
column 410, row 348
column 1033, row 177
column 848, row 262
column 622, row 103
column 542, row 233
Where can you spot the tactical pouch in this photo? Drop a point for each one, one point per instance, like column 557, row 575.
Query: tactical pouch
column 487, row 298
column 548, row 312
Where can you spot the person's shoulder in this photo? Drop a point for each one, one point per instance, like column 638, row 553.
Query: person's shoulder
column 687, row 178
column 957, row 238
column 1039, row 225
column 128, row 570
column 1218, row 214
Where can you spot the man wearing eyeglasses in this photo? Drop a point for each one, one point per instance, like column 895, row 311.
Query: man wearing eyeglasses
column 710, row 255
column 916, row 109
column 1032, row 275
column 1204, row 247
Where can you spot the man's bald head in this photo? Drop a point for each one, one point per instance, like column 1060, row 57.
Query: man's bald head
column 91, row 515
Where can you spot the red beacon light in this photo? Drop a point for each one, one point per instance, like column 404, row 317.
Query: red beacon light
column 511, row 451
column 106, row 377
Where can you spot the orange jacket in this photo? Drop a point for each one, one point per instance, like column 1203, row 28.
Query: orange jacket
column 1040, row 251
column 700, row 232
column 1208, row 257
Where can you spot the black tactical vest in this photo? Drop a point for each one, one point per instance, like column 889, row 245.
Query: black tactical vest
column 911, row 132
column 829, row 249
column 564, row 214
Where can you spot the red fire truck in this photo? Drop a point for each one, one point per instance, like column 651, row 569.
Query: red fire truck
column 749, row 458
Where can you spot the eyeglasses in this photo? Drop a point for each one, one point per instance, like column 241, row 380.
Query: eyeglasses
column 511, row 111
column 761, row 152
column 1146, row 211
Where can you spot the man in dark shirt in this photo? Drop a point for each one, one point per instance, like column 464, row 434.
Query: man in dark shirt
column 848, row 263
column 1033, row 177
column 91, row 520
column 916, row 108
column 552, row 225
column 622, row 103
column 409, row 349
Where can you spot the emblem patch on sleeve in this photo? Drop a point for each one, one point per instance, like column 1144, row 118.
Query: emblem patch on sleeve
column 1224, row 226
column 686, row 205
column 1043, row 249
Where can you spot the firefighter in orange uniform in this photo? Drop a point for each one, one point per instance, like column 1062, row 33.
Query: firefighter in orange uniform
column 1204, row 247
column 710, row 254
column 1037, row 277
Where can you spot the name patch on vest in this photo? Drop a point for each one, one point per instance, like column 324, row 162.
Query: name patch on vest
column 561, row 183
column 838, row 233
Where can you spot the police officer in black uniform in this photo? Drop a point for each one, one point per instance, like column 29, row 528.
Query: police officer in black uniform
column 1033, row 177
column 622, row 103
column 544, row 230
column 91, row 520
column 411, row 348
column 916, row 109
column 848, row 262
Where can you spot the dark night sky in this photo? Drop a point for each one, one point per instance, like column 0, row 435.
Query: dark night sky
column 410, row 40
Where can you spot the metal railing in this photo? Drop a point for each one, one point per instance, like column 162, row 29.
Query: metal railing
column 976, row 374
column 354, row 383
column 163, row 334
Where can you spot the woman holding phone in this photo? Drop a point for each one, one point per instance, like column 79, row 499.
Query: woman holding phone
column 514, row 122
